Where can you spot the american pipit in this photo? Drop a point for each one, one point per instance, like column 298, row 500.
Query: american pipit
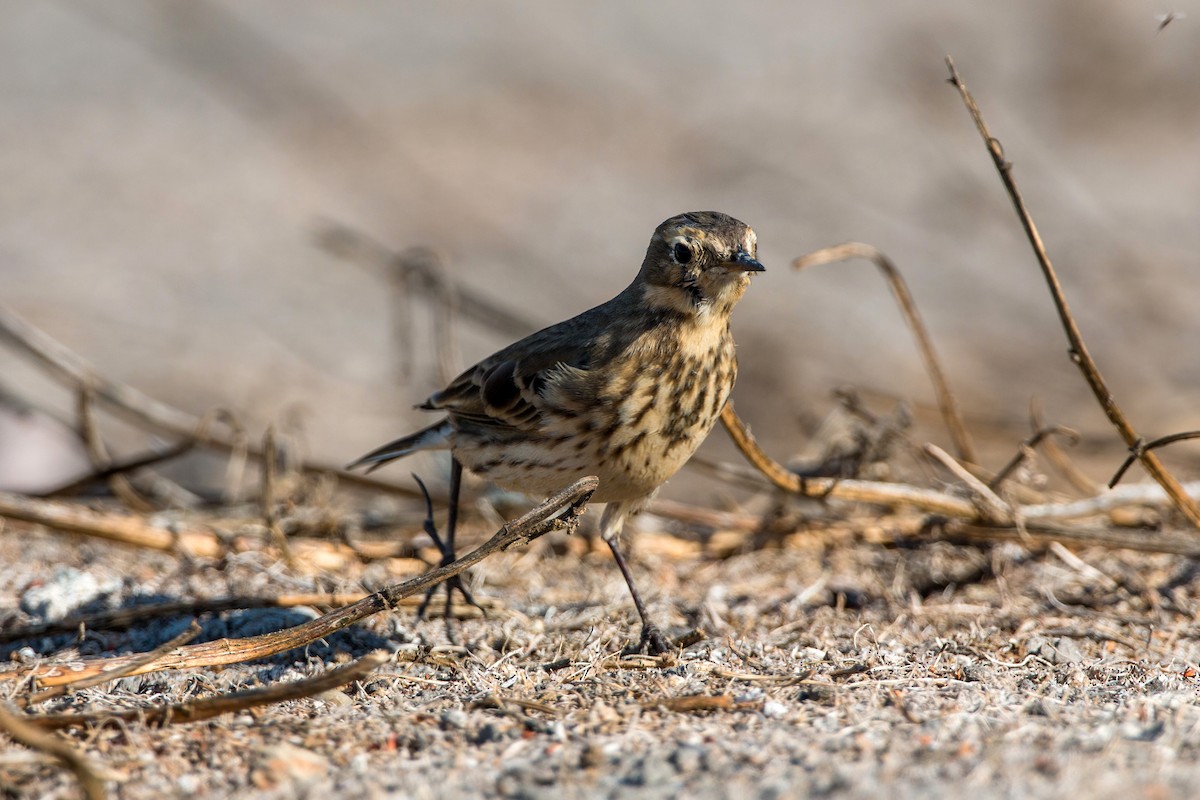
column 625, row 391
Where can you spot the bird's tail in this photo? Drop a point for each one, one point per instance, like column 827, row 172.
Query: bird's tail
column 435, row 437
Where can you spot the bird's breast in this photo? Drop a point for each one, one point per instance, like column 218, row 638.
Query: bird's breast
column 664, row 409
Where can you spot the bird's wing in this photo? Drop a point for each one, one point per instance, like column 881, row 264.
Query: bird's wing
column 545, row 374
column 543, row 377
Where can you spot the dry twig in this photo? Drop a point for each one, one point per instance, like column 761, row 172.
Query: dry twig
column 144, row 410
column 125, row 528
column 1025, row 451
column 890, row 494
column 991, row 507
column 941, row 387
column 189, row 540
column 118, row 468
column 1078, row 352
column 24, row 730
column 122, row 618
column 117, row 672
column 959, row 532
column 699, row 703
column 1059, row 459
column 350, row 243
column 1037, row 520
column 197, row 710
column 1141, row 447
column 99, row 455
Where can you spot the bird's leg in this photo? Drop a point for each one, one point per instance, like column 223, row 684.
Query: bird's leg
column 446, row 546
column 611, row 523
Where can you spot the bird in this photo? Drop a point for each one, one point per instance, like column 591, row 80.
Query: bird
column 625, row 391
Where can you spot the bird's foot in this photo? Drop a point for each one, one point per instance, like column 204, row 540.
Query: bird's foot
column 445, row 546
column 451, row 585
column 651, row 642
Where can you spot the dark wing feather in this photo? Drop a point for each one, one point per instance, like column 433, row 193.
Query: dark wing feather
column 546, row 372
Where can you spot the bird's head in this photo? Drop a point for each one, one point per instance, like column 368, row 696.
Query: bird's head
column 699, row 263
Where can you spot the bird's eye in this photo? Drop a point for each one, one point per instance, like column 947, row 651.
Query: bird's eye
column 682, row 253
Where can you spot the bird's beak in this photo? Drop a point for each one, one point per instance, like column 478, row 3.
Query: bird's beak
column 746, row 262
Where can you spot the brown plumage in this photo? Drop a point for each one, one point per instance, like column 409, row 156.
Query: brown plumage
column 625, row 391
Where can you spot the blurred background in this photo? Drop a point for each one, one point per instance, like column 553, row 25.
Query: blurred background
column 168, row 169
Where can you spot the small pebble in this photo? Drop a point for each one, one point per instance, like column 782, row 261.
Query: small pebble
column 773, row 710
column 65, row 591
column 488, row 732
column 288, row 764
column 336, row 698
column 592, row 756
column 687, row 759
column 454, row 719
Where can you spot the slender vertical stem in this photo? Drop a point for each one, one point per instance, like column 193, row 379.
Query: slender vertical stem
column 1078, row 352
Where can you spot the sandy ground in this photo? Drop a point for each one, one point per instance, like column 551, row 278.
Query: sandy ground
column 832, row 667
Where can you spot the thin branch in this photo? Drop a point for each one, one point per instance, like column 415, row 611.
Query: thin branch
column 1148, row 494
column 906, row 528
column 1137, row 450
column 122, row 618
column 700, row 703
column 561, row 511
column 354, row 245
column 1078, row 536
column 1078, row 352
column 144, row 410
column 209, row 707
column 25, row 730
column 122, row 671
column 941, row 387
column 897, row 495
column 435, row 281
column 889, row 494
column 180, row 537
column 1059, row 459
column 1025, row 450
column 125, row 528
column 89, row 432
column 119, row 468
column 992, row 508
column 267, row 499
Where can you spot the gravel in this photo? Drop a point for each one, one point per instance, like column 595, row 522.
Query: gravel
column 990, row 687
